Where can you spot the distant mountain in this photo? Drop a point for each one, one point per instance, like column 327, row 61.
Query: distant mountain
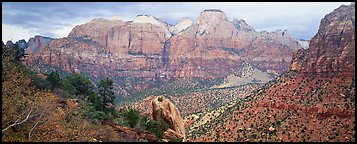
column 215, row 47
column 21, row 44
column 143, row 54
column 210, row 46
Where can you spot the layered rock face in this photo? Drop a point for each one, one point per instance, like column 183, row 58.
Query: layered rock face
column 214, row 46
column 106, row 47
column 165, row 110
column 124, row 38
column 35, row 44
column 209, row 47
column 332, row 49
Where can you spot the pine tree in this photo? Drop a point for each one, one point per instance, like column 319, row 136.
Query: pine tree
column 82, row 84
column 106, row 92
column 54, row 78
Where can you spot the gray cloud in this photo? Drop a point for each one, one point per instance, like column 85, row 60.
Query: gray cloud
column 56, row 19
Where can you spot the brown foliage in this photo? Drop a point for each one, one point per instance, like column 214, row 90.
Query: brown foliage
column 30, row 114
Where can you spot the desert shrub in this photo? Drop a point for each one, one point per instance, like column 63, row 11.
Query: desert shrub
column 95, row 101
column 175, row 140
column 67, row 86
column 157, row 127
column 121, row 121
column 49, row 117
column 96, row 115
column 55, row 79
column 132, row 115
column 110, row 112
column 41, row 83
column 142, row 122
column 278, row 123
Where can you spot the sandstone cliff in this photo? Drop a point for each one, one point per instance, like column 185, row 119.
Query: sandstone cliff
column 35, row 44
column 214, row 46
column 332, row 49
column 125, row 38
column 209, row 47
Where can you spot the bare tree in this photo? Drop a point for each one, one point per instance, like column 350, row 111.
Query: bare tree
column 18, row 123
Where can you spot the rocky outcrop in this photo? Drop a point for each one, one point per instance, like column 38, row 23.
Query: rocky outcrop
column 242, row 25
column 304, row 43
column 36, row 43
column 245, row 75
column 182, row 25
column 21, row 44
column 332, row 49
column 9, row 44
column 154, row 21
column 165, row 110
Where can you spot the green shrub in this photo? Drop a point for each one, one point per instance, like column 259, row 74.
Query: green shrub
column 41, row 83
column 97, row 115
column 95, row 101
column 175, row 140
column 121, row 121
column 132, row 116
column 67, row 86
column 92, row 112
column 278, row 123
column 157, row 127
column 54, row 78
column 82, row 84
column 110, row 112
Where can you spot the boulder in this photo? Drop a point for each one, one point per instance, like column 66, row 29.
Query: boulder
column 163, row 109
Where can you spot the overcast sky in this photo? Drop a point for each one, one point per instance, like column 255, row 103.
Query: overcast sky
column 23, row 20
